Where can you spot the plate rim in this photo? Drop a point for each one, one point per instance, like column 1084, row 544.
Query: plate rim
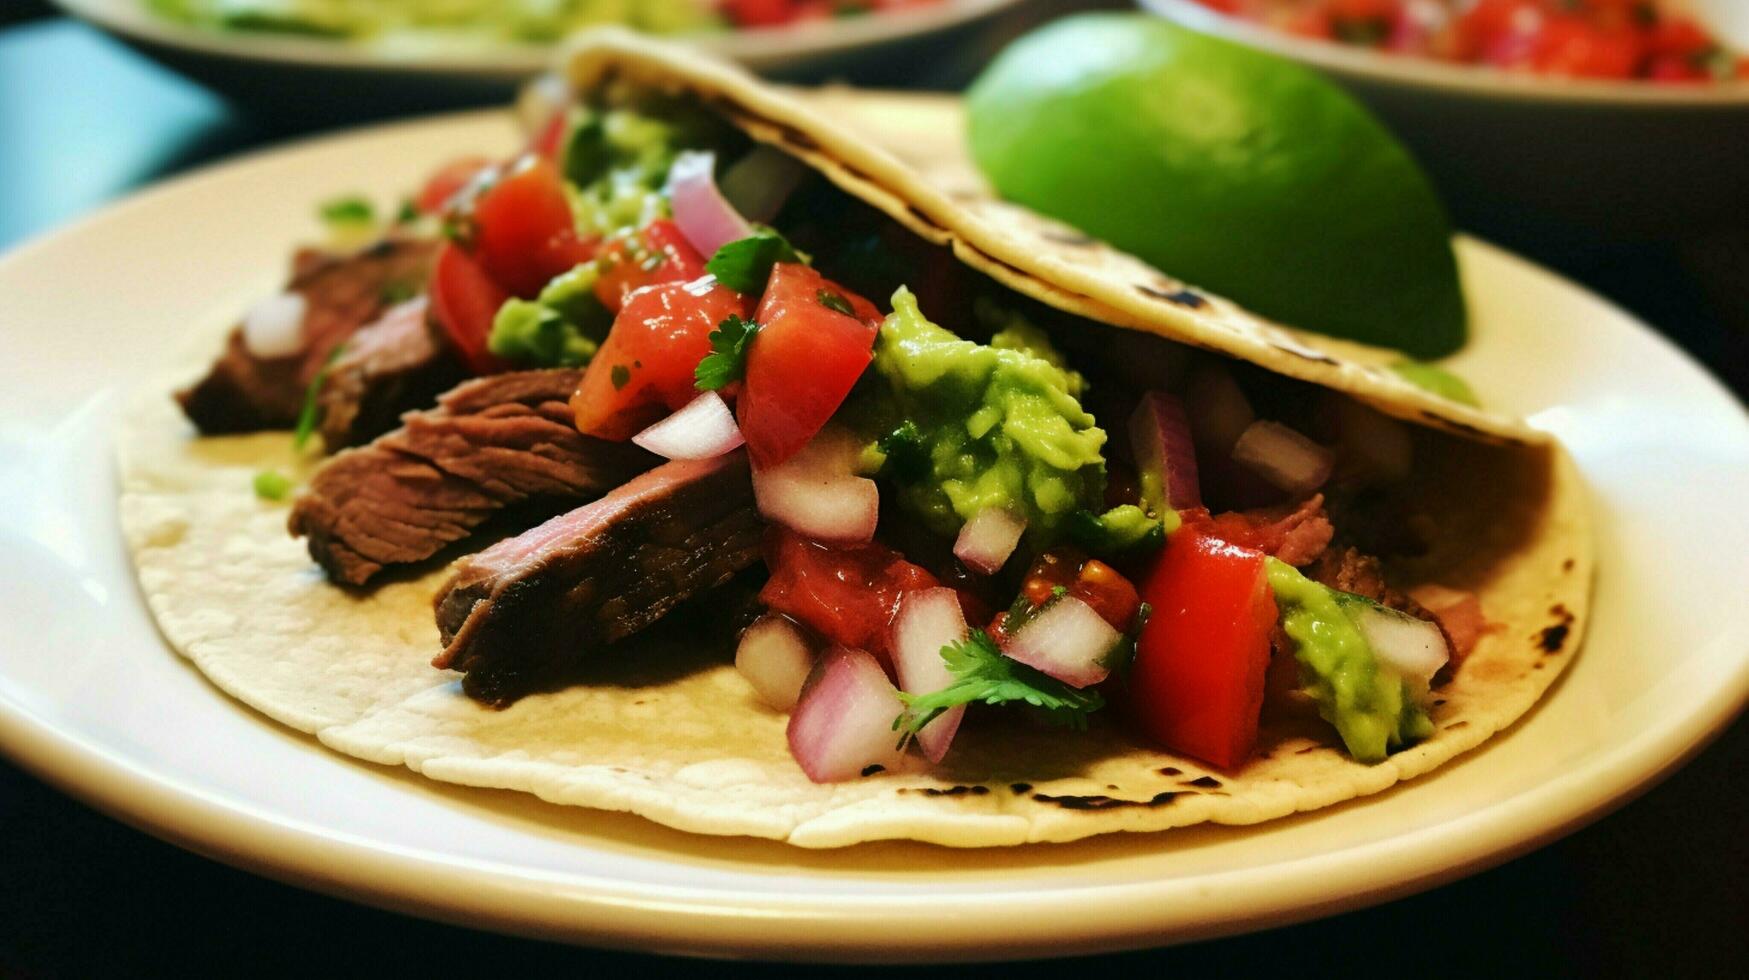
column 601, row 911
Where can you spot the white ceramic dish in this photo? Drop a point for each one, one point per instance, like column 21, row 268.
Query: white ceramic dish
column 1512, row 152
column 91, row 698
column 761, row 48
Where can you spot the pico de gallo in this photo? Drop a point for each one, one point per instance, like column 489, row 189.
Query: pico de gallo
column 1612, row 39
column 1007, row 511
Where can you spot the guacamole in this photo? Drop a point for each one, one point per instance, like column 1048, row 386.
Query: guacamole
column 1373, row 709
column 562, row 327
column 997, row 425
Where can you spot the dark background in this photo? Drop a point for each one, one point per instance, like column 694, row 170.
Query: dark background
column 1659, row 888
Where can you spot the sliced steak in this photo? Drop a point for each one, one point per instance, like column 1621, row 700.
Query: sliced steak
column 521, row 612
column 399, row 363
column 245, row 393
column 491, row 445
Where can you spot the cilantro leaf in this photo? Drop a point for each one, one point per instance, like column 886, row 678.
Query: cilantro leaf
column 728, row 358
column 744, row 264
column 906, row 459
column 311, row 414
column 982, row 673
column 272, row 485
column 351, row 210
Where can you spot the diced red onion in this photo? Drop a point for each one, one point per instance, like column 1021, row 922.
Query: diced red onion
column 1160, row 439
column 817, row 493
column 927, row 620
column 1375, row 447
column 1282, row 456
column 540, row 100
column 705, row 218
column 986, row 541
column 759, row 183
column 274, row 327
column 843, row 722
column 704, row 428
column 1413, row 648
column 776, row 659
column 1067, row 640
column 1219, row 412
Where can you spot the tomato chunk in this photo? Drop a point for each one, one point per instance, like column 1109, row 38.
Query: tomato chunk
column 523, row 231
column 1092, row 581
column 464, row 299
column 845, row 593
column 659, row 253
column 804, row 361
column 645, row 368
column 446, row 182
column 1197, row 683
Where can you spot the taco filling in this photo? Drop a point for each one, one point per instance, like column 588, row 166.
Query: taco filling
column 702, row 372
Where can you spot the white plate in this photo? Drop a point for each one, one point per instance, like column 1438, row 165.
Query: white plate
column 763, row 49
column 92, row 699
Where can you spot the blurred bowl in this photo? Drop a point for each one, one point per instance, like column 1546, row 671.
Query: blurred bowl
column 340, row 78
column 1541, row 161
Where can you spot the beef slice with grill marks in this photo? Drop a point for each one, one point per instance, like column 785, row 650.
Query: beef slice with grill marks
column 398, row 363
column 494, row 445
column 245, row 393
column 523, row 611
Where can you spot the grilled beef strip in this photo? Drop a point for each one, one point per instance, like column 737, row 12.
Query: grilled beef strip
column 400, row 362
column 245, row 393
column 494, row 444
column 519, row 613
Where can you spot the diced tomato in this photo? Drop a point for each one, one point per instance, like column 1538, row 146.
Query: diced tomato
column 759, row 13
column 803, row 362
column 846, row 593
column 523, row 231
column 464, row 300
column 549, row 140
column 449, row 179
column 1092, row 581
column 656, row 254
column 1570, row 46
column 644, row 369
column 1197, row 682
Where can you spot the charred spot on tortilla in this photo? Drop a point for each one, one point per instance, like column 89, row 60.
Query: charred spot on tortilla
column 1067, row 237
column 1567, row 565
column 960, row 790
column 1315, row 357
column 1020, row 789
column 1171, row 771
column 1204, row 782
column 1102, row 802
column 1180, row 296
column 1552, row 638
column 871, row 770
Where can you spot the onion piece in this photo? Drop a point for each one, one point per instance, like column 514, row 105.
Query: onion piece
column 274, row 327
column 1413, row 648
column 1067, row 640
column 704, row 217
column 926, row 621
column 704, row 428
column 1375, row 448
column 843, row 722
column 776, row 659
column 1282, row 456
column 1219, row 411
column 758, row 184
column 986, row 541
column 817, row 493
column 1165, row 455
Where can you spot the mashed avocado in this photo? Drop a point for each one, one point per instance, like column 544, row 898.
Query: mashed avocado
column 1373, row 709
column 990, row 425
column 562, row 327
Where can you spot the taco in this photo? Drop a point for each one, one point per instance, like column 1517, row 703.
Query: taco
column 800, row 490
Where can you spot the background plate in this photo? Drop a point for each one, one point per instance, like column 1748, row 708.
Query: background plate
column 91, row 699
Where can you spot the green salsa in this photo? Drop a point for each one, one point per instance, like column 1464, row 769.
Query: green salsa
column 995, row 425
column 1372, row 708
